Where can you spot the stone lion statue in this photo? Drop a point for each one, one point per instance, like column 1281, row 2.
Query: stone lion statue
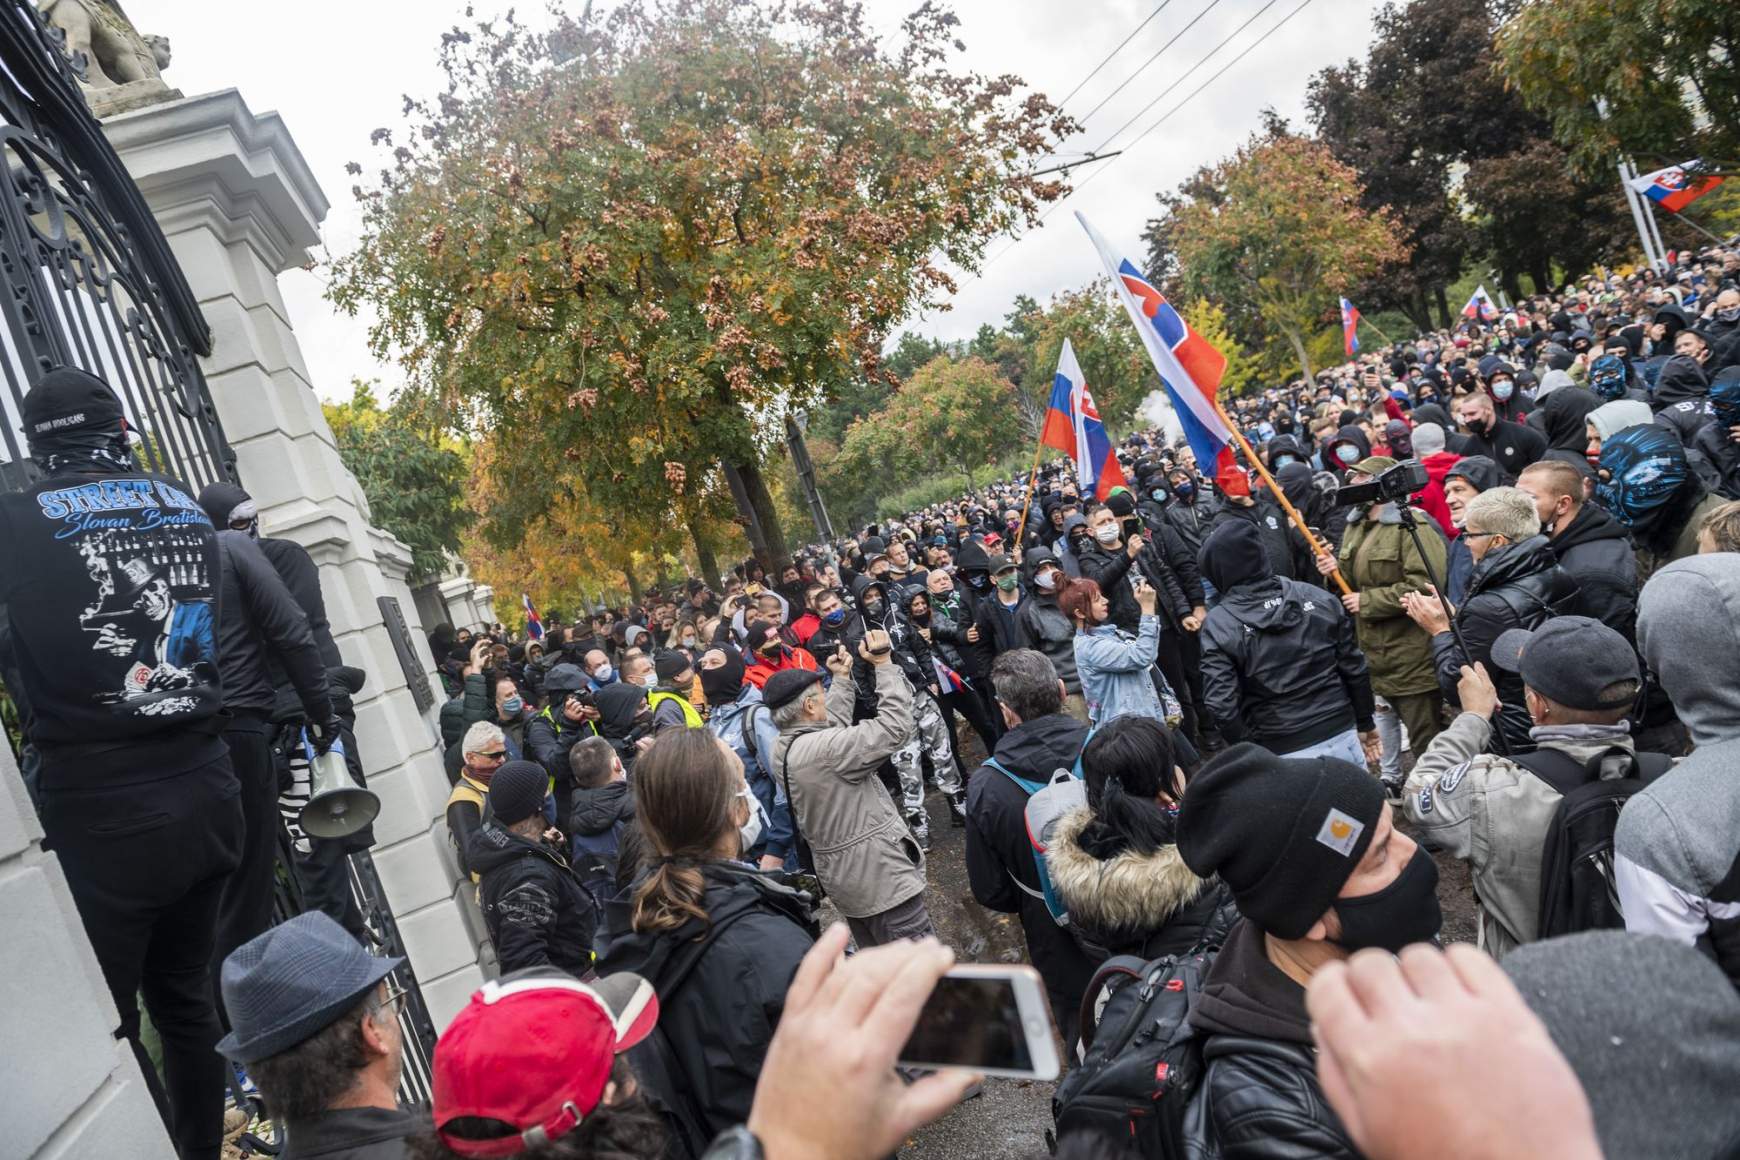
column 115, row 52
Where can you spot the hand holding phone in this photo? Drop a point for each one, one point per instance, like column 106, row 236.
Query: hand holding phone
column 987, row 1018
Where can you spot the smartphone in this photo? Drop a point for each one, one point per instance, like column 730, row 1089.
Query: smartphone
column 989, row 1018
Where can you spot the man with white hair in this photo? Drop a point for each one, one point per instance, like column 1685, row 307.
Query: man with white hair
column 1516, row 583
column 482, row 750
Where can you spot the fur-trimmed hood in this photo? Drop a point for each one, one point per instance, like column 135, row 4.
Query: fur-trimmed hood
column 1123, row 898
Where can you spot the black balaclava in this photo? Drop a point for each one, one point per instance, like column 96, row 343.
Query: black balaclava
column 73, row 422
column 225, row 502
column 723, row 684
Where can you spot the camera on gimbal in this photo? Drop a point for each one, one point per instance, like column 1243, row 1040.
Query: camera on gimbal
column 1394, row 485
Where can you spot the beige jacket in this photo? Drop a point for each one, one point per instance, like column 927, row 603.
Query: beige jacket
column 865, row 856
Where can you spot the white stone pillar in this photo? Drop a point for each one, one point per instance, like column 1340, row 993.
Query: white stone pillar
column 72, row 1088
column 238, row 204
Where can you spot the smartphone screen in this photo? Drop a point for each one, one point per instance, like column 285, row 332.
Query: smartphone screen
column 973, row 1023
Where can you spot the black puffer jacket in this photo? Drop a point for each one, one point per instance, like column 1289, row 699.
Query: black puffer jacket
column 1259, row 1098
column 1130, row 903
column 1514, row 586
column 536, row 910
column 1595, row 549
column 1192, row 518
column 1280, row 662
column 721, row 987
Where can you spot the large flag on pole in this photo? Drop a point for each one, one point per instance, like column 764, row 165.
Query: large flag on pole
column 534, row 626
column 1675, row 187
column 1189, row 368
column 1349, row 327
column 1480, row 306
column 1072, row 425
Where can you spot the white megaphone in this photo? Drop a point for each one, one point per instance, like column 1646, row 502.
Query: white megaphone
column 337, row 806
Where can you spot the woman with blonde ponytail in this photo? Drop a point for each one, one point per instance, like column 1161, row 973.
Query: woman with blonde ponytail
column 718, row 939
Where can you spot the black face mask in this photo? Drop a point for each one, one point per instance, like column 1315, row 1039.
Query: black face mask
column 1406, row 911
column 1478, row 427
column 977, row 580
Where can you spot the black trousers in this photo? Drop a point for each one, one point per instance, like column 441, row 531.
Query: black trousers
column 147, row 865
column 972, row 710
column 246, row 908
column 1181, row 662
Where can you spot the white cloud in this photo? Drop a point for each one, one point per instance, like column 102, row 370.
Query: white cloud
column 336, row 71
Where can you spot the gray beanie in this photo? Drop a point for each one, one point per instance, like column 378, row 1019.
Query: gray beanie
column 1652, row 1029
column 1428, row 440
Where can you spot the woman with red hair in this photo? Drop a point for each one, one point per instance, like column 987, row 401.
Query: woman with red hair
column 1117, row 670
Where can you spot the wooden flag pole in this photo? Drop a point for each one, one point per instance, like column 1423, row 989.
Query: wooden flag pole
column 1376, row 327
column 1032, row 480
column 1317, row 548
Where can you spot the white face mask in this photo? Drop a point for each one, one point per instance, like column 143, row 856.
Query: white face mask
column 749, row 832
column 1107, row 535
column 1046, row 580
column 649, row 681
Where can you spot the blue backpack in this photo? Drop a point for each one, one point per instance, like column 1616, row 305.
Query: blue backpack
column 1047, row 802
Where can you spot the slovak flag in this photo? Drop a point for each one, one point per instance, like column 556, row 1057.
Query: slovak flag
column 1189, row 368
column 534, row 626
column 1349, row 327
column 1675, row 187
column 1480, row 306
column 1072, row 425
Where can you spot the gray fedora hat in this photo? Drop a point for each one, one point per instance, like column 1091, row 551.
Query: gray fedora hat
column 291, row 982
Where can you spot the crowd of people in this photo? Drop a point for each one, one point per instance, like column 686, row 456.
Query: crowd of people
column 1265, row 701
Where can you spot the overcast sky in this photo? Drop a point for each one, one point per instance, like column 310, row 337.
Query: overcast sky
column 336, row 70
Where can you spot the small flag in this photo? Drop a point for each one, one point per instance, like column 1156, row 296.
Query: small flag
column 1675, row 187
column 1189, row 368
column 1072, row 425
column 1480, row 306
column 534, row 626
column 1349, row 327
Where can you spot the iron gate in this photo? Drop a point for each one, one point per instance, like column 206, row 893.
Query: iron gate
column 87, row 279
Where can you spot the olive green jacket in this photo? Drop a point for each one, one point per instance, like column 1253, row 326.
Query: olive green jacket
column 1380, row 562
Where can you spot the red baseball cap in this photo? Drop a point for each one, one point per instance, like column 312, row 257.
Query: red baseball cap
column 534, row 1051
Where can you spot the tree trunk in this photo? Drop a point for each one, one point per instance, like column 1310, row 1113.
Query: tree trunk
column 772, row 550
column 1443, row 307
column 1542, row 275
column 1419, row 311
column 633, row 586
column 1298, row 341
column 1512, row 285
column 704, row 558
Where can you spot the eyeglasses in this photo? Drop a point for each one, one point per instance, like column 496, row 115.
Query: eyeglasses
column 1468, row 535
column 394, row 997
column 498, row 755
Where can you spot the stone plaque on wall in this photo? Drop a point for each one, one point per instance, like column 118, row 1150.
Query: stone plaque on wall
column 406, row 650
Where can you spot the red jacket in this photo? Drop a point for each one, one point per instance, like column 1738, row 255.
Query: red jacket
column 1431, row 497
column 789, row 658
column 805, row 627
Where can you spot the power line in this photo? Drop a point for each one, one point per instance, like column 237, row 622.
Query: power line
column 1107, row 58
column 1212, row 5
column 1111, row 159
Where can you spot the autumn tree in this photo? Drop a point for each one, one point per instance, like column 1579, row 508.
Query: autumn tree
column 1656, row 78
column 629, row 245
column 1273, row 234
column 412, row 473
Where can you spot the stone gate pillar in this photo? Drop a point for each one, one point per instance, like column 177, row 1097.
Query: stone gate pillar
column 239, row 205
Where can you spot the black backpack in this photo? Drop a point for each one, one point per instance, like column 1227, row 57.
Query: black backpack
column 1140, row 1064
column 1577, row 886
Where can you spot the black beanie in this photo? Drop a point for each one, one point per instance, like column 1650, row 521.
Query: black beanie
column 517, row 790
column 1284, row 834
column 669, row 664
column 66, row 402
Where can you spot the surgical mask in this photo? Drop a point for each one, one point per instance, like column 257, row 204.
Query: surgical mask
column 1283, row 460
column 835, row 618
column 1008, row 583
column 1046, row 580
column 688, row 642
column 1503, row 389
column 1107, row 535
column 513, row 706
column 604, row 674
column 749, row 832
column 1347, row 453
column 650, row 681
column 1404, row 912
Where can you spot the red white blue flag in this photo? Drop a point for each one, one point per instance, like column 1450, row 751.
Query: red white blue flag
column 1072, row 425
column 1349, row 327
column 534, row 626
column 1675, row 187
column 1189, row 368
column 1480, row 306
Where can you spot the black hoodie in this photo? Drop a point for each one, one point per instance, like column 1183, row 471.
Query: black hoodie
column 1595, row 549
column 1681, row 398
column 536, row 909
column 1562, row 416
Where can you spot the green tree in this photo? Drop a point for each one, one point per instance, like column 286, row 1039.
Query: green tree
column 413, row 475
column 635, row 242
column 1656, row 78
column 1106, row 345
column 1271, row 234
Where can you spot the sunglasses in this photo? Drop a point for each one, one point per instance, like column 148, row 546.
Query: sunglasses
column 497, row 755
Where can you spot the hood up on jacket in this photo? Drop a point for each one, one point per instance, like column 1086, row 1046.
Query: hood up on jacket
column 1688, row 629
column 1680, row 379
column 1283, row 446
column 1563, row 415
column 1123, row 896
column 1553, row 380
column 1433, row 413
column 1350, row 434
column 972, row 557
column 1479, row 470
column 1611, row 418
column 1233, row 557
